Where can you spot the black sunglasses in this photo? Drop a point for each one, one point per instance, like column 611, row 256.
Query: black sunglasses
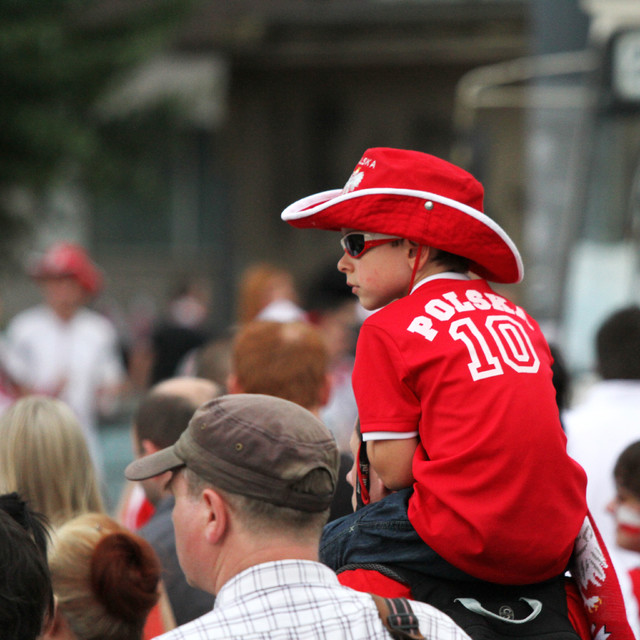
column 357, row 243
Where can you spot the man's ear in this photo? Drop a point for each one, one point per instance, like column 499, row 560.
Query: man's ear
column 148, row 447
column 57, row 628
column 233, row 384
column 325, row 391
column 217, row 517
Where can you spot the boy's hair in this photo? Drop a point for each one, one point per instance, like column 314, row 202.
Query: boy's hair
column 26, row 596
column 618, row 345
column 627, row 469
column 455, row 263
column 288, row 360
column 451, row 261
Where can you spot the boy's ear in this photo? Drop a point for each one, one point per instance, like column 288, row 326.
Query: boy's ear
column 414, row 251
column 412, row 248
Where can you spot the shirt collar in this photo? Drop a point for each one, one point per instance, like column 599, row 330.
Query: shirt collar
column 273, row 575
column 446, row 275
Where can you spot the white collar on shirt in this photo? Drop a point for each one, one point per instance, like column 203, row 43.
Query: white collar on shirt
column 445, row 275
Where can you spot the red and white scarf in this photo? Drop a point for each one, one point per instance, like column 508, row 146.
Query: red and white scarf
column 598, row 585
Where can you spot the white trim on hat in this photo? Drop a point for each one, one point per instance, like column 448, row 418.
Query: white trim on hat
column 318, row 202
column 302, row 208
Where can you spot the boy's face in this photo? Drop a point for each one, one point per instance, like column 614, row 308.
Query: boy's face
column 380, row 275
column 625, row 508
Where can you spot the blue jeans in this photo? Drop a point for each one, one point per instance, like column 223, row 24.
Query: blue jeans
column 381, row 533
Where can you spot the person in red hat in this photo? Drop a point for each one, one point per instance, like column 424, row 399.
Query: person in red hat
column 61, row 348
column 452, row 380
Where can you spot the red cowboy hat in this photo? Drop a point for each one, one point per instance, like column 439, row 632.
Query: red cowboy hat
column 420, row 197
column 68, row 259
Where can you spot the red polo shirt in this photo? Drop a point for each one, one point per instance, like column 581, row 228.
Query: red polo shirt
column 495, row 492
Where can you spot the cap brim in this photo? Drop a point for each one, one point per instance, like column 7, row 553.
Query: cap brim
column 153, row 465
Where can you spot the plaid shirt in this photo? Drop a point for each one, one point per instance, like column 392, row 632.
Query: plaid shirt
column 293, row 599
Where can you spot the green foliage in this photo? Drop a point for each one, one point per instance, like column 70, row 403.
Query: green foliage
column 57, row 57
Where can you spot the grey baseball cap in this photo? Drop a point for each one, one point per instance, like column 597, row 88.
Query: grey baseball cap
column 254, row 445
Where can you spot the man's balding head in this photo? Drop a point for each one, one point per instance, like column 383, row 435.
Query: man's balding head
column 163, row 414
column 198, row 390
column 165, row 411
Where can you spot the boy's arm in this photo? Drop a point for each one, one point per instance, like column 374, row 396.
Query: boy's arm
column 392, row 461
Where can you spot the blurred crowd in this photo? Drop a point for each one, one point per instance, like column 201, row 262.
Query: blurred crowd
column 66, row 369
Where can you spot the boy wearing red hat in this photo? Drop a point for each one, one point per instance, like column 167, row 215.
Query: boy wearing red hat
column 453, row 383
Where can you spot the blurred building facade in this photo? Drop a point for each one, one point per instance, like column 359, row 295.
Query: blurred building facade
column 279, row 98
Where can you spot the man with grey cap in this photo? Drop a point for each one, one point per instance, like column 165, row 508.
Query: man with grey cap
column 253, row 478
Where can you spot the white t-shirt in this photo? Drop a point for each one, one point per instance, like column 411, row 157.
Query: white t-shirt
column 79, row 357
column 599, row 428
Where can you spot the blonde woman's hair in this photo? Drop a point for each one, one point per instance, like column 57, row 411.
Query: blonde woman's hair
column 45, row 458
column 105, row 578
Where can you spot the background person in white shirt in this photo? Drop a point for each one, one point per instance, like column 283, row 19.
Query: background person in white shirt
column 253, row 478
column 61, row 348
column 602, row 424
